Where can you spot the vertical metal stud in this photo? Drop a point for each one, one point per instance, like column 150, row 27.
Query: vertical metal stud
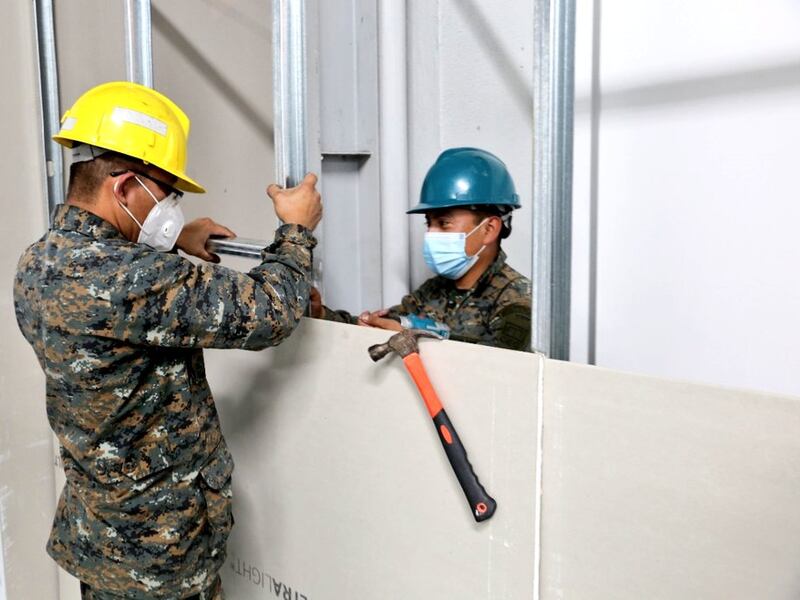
column 289, row 89
column 290, row 111
column 554, row 85
column 394, row 189
column 48, row 82
column 138, row 42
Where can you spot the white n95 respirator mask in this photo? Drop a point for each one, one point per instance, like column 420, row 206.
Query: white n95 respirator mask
column 163, row 223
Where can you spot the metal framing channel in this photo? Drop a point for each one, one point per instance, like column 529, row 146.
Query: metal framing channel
column 139, row 65
column 289, row 89
column 290, row 112
column 554, row 86
column 48, row 88
column 138, row 42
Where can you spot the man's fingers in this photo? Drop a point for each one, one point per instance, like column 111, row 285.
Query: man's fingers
column 309, row 180
column 221, row 231
column 204, row 254
column 208, row 256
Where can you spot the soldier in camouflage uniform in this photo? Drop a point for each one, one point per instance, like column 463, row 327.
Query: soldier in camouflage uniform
column 118, row 328
column 467, row 198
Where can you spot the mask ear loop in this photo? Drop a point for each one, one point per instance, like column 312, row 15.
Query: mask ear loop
column 478, row 226
column 146, row 189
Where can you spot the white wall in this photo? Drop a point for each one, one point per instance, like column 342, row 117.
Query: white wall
column 217, row 66
column 26, row 474
column 695, row 189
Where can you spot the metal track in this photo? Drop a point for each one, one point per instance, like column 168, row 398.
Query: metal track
column 51, row 114
column 554, row 83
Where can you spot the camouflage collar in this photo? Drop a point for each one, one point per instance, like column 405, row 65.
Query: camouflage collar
column 68, row 217
column 483, row 280
column 494, row 269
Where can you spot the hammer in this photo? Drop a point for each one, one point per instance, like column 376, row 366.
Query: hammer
column 481, row 504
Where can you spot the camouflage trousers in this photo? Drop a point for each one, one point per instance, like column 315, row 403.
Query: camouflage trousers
column 215, row 592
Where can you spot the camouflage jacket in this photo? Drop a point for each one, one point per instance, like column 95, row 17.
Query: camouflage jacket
column 496, row 311
column 118, row 330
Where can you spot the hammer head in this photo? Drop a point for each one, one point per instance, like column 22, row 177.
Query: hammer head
column 403, row 343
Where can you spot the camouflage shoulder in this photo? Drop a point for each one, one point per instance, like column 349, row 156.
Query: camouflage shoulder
column 430, row 288
column 516, row 288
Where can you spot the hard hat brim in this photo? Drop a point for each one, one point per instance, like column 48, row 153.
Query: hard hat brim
column 187, row 184
column 423, row 207
column 183, row 182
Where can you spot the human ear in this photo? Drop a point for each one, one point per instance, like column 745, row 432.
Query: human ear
column 120, row 189
column 492, row 229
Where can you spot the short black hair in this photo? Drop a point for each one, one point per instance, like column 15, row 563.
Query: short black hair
column 86, row 177
column 483, row 211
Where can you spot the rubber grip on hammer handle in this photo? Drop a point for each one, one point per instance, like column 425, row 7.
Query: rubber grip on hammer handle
column 481, row 504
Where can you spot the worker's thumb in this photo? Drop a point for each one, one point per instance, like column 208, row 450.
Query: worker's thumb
column 310, row 179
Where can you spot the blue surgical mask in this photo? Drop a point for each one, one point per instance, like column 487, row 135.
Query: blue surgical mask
column 446, row 252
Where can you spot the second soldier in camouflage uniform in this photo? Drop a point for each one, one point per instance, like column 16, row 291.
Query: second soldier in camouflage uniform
column 467, row 198
column 118, row 328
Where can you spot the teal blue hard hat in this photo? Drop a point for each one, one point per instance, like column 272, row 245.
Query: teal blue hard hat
column 466, row 178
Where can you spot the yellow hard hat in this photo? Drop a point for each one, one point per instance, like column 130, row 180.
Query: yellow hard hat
column 133, row 120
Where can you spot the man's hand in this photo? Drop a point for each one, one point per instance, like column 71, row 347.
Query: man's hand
column 315, row 304
column 301, row 205
column 378, row 319
column 195, row 235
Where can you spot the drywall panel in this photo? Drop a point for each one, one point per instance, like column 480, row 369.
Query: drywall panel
column 661, row 490
column 26, row 475
column 342, row 489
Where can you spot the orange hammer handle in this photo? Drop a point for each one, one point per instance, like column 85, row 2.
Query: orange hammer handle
column 417, row 371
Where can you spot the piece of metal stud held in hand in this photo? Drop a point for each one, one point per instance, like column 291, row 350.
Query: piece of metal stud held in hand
column 481, row 504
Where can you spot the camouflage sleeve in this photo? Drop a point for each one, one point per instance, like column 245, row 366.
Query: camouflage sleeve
column 409, row 305
column 166, row 300
column 340, row 316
